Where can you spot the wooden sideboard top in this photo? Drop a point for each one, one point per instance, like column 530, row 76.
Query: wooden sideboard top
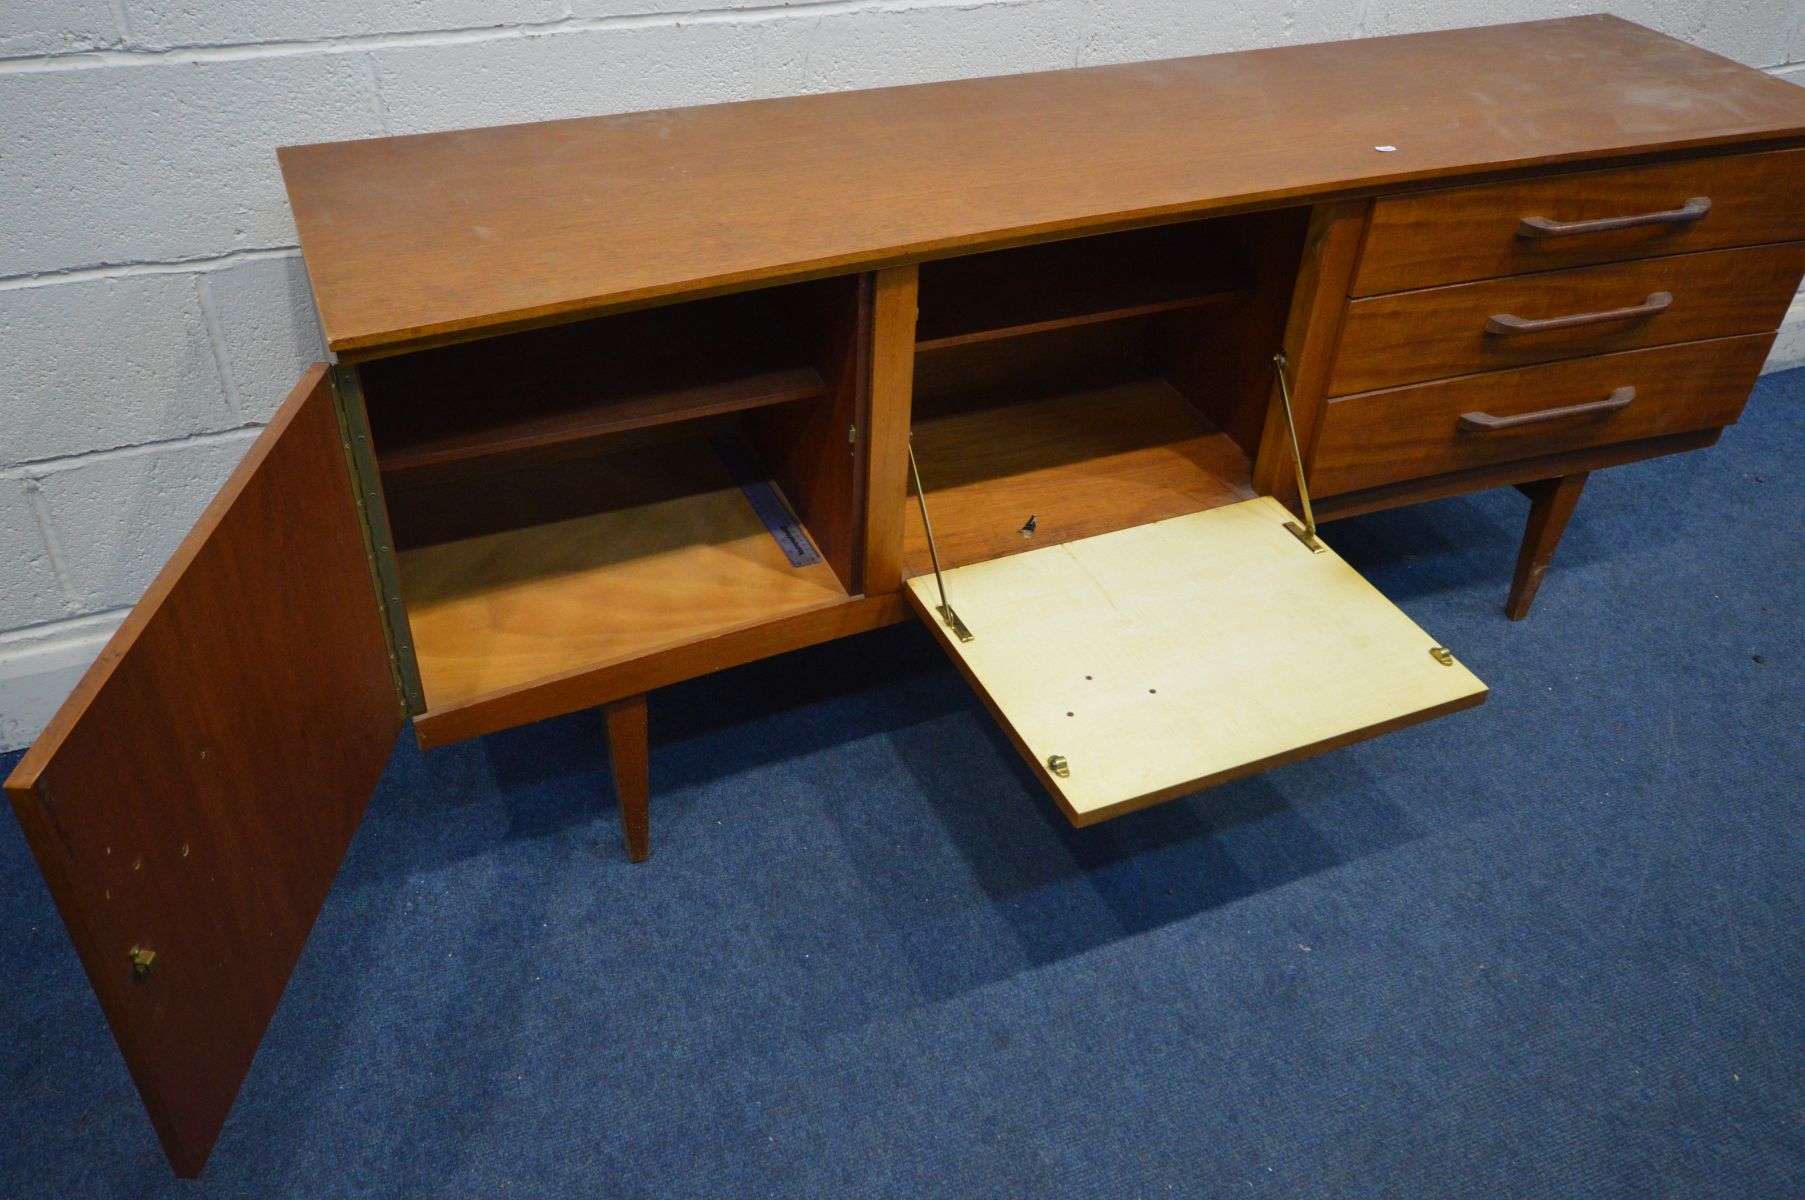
column 415, row 240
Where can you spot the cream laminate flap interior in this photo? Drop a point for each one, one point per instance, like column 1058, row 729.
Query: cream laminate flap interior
column 1176, row 655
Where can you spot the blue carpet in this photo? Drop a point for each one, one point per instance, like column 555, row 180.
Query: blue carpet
column 1554, row 947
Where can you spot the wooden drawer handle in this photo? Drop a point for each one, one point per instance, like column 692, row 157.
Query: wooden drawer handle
column 1480, row 422
column 1506, row 325
column 1545, row 227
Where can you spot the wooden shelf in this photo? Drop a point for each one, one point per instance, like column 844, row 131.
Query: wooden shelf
column 1063, row 284
column 1050, row 318
column 1082, row 464
column 604, row 416
column 505, row 589
column 575, row 383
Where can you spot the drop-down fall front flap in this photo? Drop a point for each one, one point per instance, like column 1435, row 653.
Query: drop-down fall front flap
column 1144, row 664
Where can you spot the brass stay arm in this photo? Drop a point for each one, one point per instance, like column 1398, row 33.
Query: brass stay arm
column 1305, row 533
column 921, row 497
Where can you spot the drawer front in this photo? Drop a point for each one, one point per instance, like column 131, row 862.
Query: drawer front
column 1414, row 432
column 1479, row 232
column 1467, row 327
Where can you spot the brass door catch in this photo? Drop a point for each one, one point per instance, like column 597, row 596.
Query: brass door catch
column 1057, row 764
column 142, row 961
column 1442, row 655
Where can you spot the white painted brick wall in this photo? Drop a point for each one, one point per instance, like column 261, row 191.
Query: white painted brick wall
column 267, row 328
column 153, row 311
column 614, row 68
column 166, row 23
column 881, row 47
column 56, row 26
column 104, row 362
column 116, row 516
column 28, row 589
column 154, row 158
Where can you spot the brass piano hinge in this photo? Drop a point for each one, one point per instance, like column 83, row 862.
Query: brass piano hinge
column 1305, row 533
column 366, row 489
column 946, row 610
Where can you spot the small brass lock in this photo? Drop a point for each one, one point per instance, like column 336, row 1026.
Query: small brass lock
column 1056, row 763
column 142, row 961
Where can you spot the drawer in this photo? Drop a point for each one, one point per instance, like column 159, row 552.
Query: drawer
column 1414, row 432
column 1467, row 327
column 1590, row 217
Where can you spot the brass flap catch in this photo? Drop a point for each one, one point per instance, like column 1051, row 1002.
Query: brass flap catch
column 1305, row 533
column 953, row 622
column 1057, row 764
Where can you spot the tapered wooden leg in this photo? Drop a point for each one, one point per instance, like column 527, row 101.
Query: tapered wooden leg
column 626, row 721
column 1551, row 503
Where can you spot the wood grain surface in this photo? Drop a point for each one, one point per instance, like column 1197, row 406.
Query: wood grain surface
column 1080, row 464
column 978, row 297
column 886, row 430
column 1441, row 332
column 600, row 683
column 1508, row 474
column 807, row 446
column 446, row 235
column 506, row 396
column 1551, row 504
column 1472, row 233
column 1318, row 306
column 1385, row 437
column 673, row 559
column 195, row 795
column 630, row 761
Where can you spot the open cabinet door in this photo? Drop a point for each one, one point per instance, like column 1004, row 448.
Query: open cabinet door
column 1141, row 665
column 191, row 801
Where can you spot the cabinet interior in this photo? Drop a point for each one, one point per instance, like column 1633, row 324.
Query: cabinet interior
column 1094, row 384
column 565, row 498
column 568, row 497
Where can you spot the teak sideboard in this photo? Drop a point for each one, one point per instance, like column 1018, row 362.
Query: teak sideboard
column 623, row 400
